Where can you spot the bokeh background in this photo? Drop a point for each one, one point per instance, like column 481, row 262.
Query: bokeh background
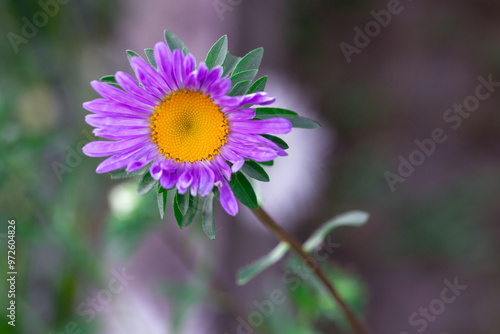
column 76, row 229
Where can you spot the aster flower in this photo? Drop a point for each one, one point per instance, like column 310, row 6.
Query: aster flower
column 188, row 128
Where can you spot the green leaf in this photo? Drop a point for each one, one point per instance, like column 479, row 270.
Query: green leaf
column 278, row 141
column 267, row 163
column 146, row 184
column 265, row 113
column 304, row 123
column 182, row 201
column 217, row 53
column 243, row 190
column 250, row 62
column 229, row 64
column 243, row 76
column 352, row 218
column 131, row 54
column 185, row 220
column 162, row 201
column 174, row 42
column 150, row 55
column 207, row 217
column 122, row 174
column 248, row 272
column 240, row 88
column 110, row 79
column 258, row 86
column 255, row 171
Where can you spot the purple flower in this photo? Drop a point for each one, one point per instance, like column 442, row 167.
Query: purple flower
column 180, row 120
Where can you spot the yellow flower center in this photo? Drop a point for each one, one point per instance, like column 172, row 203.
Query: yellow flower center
column 188, row 126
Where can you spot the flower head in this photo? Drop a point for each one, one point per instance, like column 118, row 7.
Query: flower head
column 186, row 125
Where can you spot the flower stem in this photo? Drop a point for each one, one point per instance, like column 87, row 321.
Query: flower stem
column 297, row 247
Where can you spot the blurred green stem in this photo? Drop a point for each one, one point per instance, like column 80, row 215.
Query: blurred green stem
column 297, row 247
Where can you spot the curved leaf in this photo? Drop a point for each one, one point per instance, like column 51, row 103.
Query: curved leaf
column 217, row 53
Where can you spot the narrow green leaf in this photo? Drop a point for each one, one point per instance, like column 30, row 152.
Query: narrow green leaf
column 184, row 220
column 174, row 42
column 146, row 184
column 110, row 79
column 207, row 216
column 255, row 171
column 352, row 218
column 122, row 174
column 240, row 88
column 229, row 64
column 258, row 86
column 131, row 54
column 217, row 53
column 248, row 272
column 243, row 190
column 304, row 123
column 243, row 76
column 250, row 62
column 278, row 141
column 182, row 201
column 150, row 55
column 162, row 201
column 267, row 163
column 265, row 113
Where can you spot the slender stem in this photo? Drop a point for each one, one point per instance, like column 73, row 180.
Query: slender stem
column 296, row 246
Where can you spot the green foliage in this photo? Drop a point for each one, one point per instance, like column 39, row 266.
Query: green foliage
column 250, row 62
column 217, row 53
column 190, row 209
column 266, row 113
column 255, row 171
column 304, row 123
column 131, row 54
column 229, row 64
column 248, row 272
column 351, row 218
column 258, row 86
column 207, row 216
column 174, row 42
column 243, row 190
column 146, row 184
column 278, row 141
column 150, row 55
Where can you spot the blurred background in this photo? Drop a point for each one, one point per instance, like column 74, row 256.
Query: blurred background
column 94, row 257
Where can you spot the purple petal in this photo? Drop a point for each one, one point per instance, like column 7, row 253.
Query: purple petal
column 223, row 166
column 149, row 78
column 274, row 126
column 116, row 122
column 257, row 153
column 219, row 88
column 155, row 169
column 134, row 166
column 121, row 134
column 212, row 76
column 167, row 180
column 105, row 148
column 232, row 157
column 207, row 179
column 201, row 74
column 164, row 59
column 259, row 98
column 185, row 178
column 241, row 114
column 114, row 94
column 189, row 64
column 128, row 83
column 108, row 108
column 120, row 160
column 178, row 68
column 227, row 198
